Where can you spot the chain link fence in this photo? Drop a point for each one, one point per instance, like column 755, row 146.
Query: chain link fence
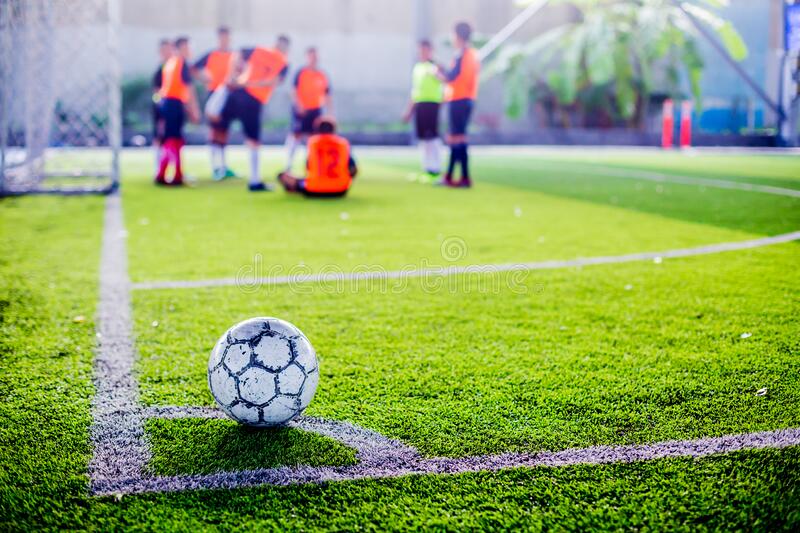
column 59, row 96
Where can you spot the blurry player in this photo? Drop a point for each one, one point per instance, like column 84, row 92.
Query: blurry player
column 177, row 100
column 262, row 69
column 164, row 53
column 310, row 95
column 461, row 93
column 331, row 167
column 426, row 98
column 213, row 69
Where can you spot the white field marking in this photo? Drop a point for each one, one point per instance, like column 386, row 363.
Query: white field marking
column 473, row 269
column 566, row 149
column 120, row 448
column 392, row 466
column 660, row 177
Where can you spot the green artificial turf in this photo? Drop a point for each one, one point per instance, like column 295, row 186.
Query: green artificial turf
column 753, row 212
column 613, row 354
column 746, row 491
column 551, row 211
column 545, row 360
column 49, row 254
column 761, row 169
column 223, row 445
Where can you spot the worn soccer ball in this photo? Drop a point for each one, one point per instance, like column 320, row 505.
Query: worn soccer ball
column 263, row 372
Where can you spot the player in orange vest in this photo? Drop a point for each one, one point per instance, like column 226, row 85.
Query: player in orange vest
column 177, row 100
column 310, row 96
column 165, row 51
column 331, row 167
column 460, row 94
column 213, row 69
column 253, row 76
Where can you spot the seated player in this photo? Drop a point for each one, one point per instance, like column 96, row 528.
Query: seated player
column 331, row 167
column 213, row 69
column 253, row 76
column 310, row 96
column 177, row 100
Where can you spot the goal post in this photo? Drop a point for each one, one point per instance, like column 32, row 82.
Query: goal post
column 60, row 103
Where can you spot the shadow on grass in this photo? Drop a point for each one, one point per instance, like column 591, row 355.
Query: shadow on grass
column 202, row 446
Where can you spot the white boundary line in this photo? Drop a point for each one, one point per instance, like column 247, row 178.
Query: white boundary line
column 661, row 177
column 380, row 458
column 118, row 439
column 121, row 451
column 472, row 269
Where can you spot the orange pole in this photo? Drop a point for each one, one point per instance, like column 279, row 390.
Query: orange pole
column 686, row 124
column 668, row 124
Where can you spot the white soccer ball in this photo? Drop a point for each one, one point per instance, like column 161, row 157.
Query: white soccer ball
column 263, row 372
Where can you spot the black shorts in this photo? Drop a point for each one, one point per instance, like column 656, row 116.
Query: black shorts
column 426, row 120
column 301, row 188
column 174, row 116
column 245, row 108
column 158, row 123
column 460, row 112
column 303, row 123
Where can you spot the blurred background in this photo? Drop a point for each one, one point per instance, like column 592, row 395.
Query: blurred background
column 368, row 49
column 573, row 71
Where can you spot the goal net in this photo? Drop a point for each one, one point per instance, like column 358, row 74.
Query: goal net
column 60, row 123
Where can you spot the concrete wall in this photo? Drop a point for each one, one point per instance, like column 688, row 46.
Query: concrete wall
column 367, row 46
column 761, row 24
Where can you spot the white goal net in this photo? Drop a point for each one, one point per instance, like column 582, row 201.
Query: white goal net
column 60, row 119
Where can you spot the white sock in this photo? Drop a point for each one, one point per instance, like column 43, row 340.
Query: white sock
column 215, row 157
column 255, row 175
column 291, row 149
column 222, row 164
column 157, row 151
column 435, row 162
column 432, row 156
column 423, row 145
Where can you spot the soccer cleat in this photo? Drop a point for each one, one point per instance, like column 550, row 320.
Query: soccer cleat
column 219, row 174
column 229, row 173
column 446, row 181
column 465, row 183
column 259, row 187
column 283, row 181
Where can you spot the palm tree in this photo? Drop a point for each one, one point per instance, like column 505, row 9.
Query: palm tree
column 613, row 55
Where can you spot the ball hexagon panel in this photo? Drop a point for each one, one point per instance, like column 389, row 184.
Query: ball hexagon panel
column 256, row 386
column 237, row 356
column 248, row 330
column 273, row 352
column 290, row 380
column 305, row 355
column 223, row 386
column 280, row 410
column 245, row 414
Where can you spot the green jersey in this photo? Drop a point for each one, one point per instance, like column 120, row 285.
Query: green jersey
column 426, row 86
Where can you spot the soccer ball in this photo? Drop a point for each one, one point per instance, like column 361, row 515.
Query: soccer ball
column 263, row 372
